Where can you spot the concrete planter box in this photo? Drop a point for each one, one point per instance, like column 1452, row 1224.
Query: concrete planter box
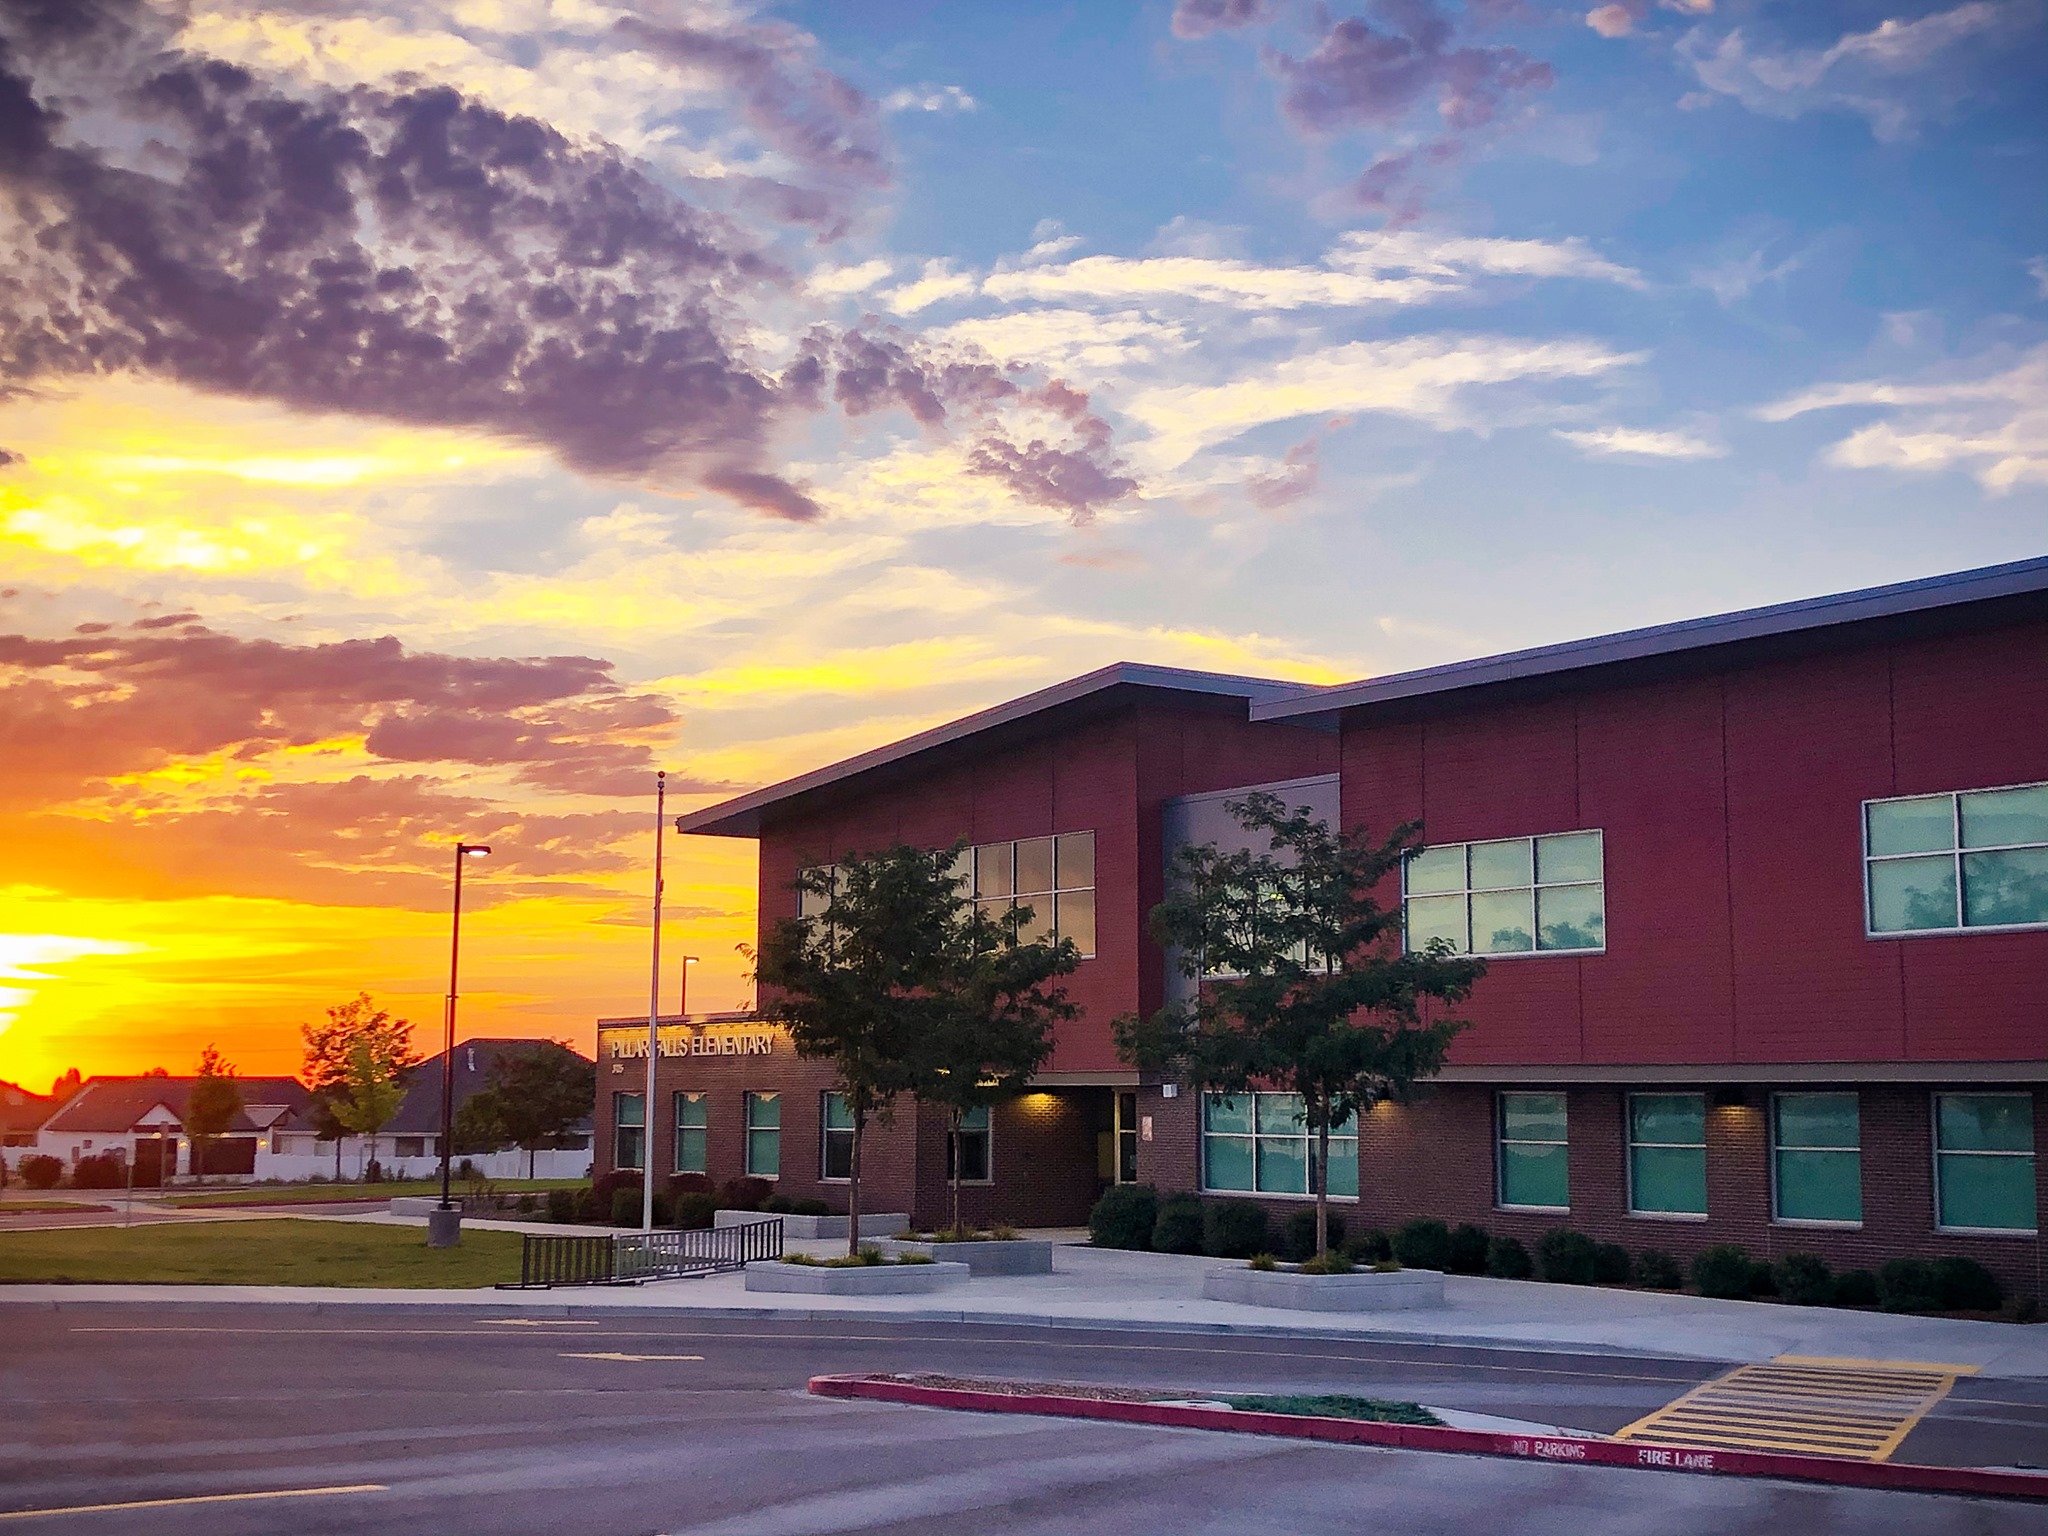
column 415, row 1205
column 1401, row 1290
column 1017, row 1256
column 874, row 1225
column 853, row 1279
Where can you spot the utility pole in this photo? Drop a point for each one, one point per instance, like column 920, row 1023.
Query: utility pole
column 653, row 1018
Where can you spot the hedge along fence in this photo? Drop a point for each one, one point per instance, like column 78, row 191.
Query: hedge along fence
column 1137, row 1216
column 689, row 1201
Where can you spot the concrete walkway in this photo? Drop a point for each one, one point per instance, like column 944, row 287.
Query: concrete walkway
column 1148, row 1291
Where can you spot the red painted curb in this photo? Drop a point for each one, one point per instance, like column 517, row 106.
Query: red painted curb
column 1470, row 1442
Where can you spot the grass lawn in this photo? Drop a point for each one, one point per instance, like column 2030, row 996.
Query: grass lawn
column 322, row 1194
column 280, row 1252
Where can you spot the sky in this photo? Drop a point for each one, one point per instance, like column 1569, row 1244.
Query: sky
column 424, row 421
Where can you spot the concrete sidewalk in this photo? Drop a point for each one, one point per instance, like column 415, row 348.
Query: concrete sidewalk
column 1162, row 1292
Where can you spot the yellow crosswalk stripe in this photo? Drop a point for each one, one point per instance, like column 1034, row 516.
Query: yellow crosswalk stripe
column 1809, row 1404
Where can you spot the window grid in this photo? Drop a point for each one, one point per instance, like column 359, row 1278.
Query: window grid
column 1796, row 1155
column 764, row 1135
column 1965, row 1157
column 1643, row 1156
column 1270, row 1156
column 1505, row 879
column 629, row 1130
column 1510, row 1149
column 693, row 1120
column 1053, row 876
column 1969, row 867
column 835, row 1138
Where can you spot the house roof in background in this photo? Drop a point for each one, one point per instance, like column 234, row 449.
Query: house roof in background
column 420, row 1111
column 113, row 1105
column 22, row 1110
column 1930, row 595
column 742, row 817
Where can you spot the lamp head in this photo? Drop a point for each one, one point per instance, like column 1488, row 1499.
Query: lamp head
column 473, row 850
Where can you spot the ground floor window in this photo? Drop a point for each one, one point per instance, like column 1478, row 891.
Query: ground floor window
column 693, row 1124
column 629, row 1130
column 1534, row 1158
column 1984, row 1161
column 968, row 1148
column 1259, row 1143
column 836, row 1123
column 1816, row 1157
column 1667, row 1154
column 764, row 1135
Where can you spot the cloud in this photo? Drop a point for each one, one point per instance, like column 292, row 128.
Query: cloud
column 929, row 98
column 1991, row 422
column 1641, row 443
column 1195, row 19
column 1615, row 20
column 2037, row 269
column 1297, row 475
column 9, row 458
column 937, row 282
column 1891, row 74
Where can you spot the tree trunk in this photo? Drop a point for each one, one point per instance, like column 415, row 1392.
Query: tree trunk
column 1322, row 1177
column 860, row 1123
column 531, row 1154
column 337, row 1159
column 953, row 1172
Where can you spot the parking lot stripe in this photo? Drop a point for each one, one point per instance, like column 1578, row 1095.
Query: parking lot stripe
column 195, row 1498
column 1812, row 1405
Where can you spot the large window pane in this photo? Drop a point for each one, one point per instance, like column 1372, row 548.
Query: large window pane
column 1818, row 1120
column 1498, row 865
column 1228, row 1116
column 2008, row 887
column 1679, row 1118
column 1283, row 1165
column 1571, row 917
column 1985, row 1122
column 1228, row 1162
column 764, row 1135
column 629, row 1130
column 1994, row 818
column 1280, row 1114
column 1568, row 857
column 1437, row 869
column 1501, row 922
column 1437, row 917
column 1074, row 915
column 994, row 871
column 1034, row 865
column 1820, row 1186
column 1668, row 1181
column 1921, row 825
column 1036, row 926
column 1342, row 1178
column 1911, row 894
column 692, row 1118
column 1535, row 1174
column 1984, row 1191
column 1076, row 860
column 1533, row 1116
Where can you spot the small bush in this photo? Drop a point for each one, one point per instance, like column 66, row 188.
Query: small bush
column 1723, row 1270
column 1387, row 1267
column 748, row 1194
column 1805, row 1280
column 1964, row 1285
column 1907, row 1285
column 1656, row 1270
column 1610, row 1264
column 1299, row 1235
column 1370, row 1246
column 690, row 1184
column 374, row 1174
column 625, row 1208
column 694, row 1209
column 1424, row 1243
column 1124, row 1217
column 562, row 1205
column 1178, row 1228
column 1263, row 1261
column 527, row 1203
column 1508, row 1259
column 1329, row 1262
column 912, row 1258
column 809, row 1207
column 1470, row 1246
column 103, row 1171
column 778, row 1205
column 1003, row 1233
column 605, row 1184
column 466, row 1171
column 1855, row 1288
column 1233, row 1229
column 1565, row 1257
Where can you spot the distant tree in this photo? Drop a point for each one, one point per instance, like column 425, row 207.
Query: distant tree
column 478, row 1127
column 211, row 1107
column 329, row 1073
column 371, row 1092
column 1315, row 992
column 158, row 1072
column 66, row 1085
column 534, row 1095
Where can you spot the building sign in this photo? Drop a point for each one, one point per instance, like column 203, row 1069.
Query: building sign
column 689, row 1040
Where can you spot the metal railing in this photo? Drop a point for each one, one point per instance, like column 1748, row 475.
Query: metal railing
column 627, row 1258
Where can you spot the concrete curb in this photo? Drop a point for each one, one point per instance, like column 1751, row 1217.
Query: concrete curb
column 1573, row 1449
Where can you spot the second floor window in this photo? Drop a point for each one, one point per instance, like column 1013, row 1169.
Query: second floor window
column 1516, row 895
column 1946, row 863
column 1053, row 876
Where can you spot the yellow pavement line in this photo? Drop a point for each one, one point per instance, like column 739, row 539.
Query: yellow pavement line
column 615, row 1355
column 1804, row 1403
column 197, row 1498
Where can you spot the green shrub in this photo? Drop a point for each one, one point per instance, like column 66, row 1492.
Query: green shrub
column 1964, row 1285
column 1507, row 1258
column 1233, row 1229
column 562, row 1205
column 1805, row 1280
column 1329, row 1262
column 625, row 1207
column 527, row 1203
column 1656, row 1270
column 695, row 1211
column 1610, row 1264
column 1263, row 1261
column 1565, row 1257
column 1907, row 1285
column 809, row 1207
column 1370, row 1246
column 1178, row 1228
column 41, row 1171
column 778, row 1205
column 1468, row 1251
column 1856, row 1288
column 1424, row 1243
column 1762, row 1281
column 1124, row 1217
column 1723, row 1270
column 1299, row 1235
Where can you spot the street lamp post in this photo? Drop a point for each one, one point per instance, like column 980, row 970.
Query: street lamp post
column 444, row 1225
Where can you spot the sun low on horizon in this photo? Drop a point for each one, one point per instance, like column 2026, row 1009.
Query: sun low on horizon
column 422, row 423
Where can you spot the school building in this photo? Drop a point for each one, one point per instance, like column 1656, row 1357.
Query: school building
column 1763, row 896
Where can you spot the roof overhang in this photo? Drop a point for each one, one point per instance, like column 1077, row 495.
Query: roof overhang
column 2010, row 585
column 743, row 816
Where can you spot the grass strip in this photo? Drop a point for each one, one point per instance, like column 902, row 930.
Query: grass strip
column 278, row 1251
column 1371, row 1409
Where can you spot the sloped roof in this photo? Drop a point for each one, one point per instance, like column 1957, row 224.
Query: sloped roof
column 2017, row 581
column 419, row 1112
column 21, row 1110
column 113, row 1105
column 741, row 817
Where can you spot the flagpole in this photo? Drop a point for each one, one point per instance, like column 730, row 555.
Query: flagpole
column 653, row 1019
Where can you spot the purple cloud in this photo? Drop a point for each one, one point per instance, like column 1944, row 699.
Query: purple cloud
column 1195, row 19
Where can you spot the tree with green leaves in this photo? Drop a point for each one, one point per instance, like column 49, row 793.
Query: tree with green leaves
column 532, row 1096
column 1301, row 977
column 211, row 1106
column 372, row 1089
column 478, row 1128
column 329, row 1052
